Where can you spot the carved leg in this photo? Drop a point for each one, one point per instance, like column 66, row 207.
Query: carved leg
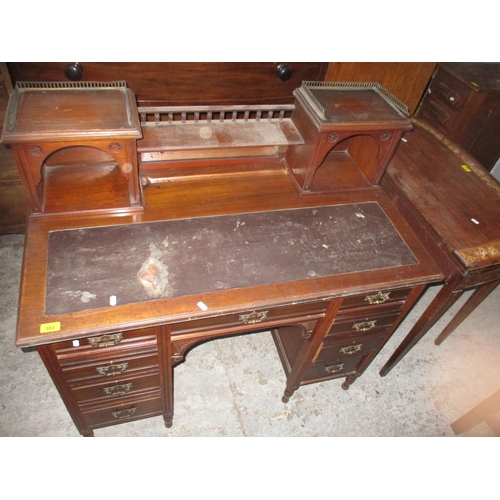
column 288, row 394
column 88, row 434
column 168, row 423
column 474, row 300
column 348, row 381
column 441, row 303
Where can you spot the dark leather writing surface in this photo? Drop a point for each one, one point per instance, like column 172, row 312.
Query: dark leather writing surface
column 148, row 261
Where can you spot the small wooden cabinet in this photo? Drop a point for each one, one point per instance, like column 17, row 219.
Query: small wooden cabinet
column 75, row 146
column 463, row 102
column 350, row 133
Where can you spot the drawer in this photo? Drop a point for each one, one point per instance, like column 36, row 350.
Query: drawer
column 105, row 346
column 102, row 369
column 333, row 368
column 111, row 389
column 349, row 346
column 364, row 321
column 447, row 89
column 123, row 409
column 258, row 317
column 376, row 298
column 435, row 112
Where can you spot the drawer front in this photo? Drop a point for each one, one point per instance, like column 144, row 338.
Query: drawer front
column 333, row 368
column 107, row 346
column 104, row 341
column 440, row 117
column 105, row 368
column 363, row 322
column 350, row 346
column 376, row 298
column 111, row 389
column 447, row 89
column 123, row 410
column 257, row 318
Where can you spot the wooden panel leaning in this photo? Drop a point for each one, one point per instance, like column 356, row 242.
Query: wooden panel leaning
column 453, row 204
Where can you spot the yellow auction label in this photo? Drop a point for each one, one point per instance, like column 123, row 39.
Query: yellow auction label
column 466, row 168
column 50, row 327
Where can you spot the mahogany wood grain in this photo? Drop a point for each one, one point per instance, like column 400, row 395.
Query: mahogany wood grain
column 406, row 80
column 186, row 83
column 452, row 203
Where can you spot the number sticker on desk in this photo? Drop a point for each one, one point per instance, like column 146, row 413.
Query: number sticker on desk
column 50, row 327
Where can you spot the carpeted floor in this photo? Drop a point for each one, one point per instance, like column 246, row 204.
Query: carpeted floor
column 233, row 386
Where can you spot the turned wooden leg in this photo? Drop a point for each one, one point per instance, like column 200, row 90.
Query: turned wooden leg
column 88, row 434
column 168, row 423
column 474, row 300
column 441, row 303
column 287, row 395
column 348, row 381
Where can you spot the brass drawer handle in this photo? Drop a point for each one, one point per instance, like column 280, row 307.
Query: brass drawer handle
column 352, row 349
column 334, row 368
column 112, row 369
column 106, row 340
column 378, row 298
column 130, row 412
column 364, row 326
column 118, row 390
column 253, row 318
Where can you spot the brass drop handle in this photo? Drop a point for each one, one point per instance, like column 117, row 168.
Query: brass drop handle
column 351, row 349
column 334, row 368
column 106, row 340
column 129, row 412
column 364, row 326
column 118, row 390
column 73, row 71
column 378, row 298
column 284, row 72
column 112, row 369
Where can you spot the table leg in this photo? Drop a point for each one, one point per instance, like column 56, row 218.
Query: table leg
column 446, row 297
column 474, row 300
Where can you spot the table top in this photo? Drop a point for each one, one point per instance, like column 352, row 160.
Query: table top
column 343, row 105
column 455, row 195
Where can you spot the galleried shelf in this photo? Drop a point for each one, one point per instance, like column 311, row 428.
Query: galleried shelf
column 74, row 143
column 350, row 131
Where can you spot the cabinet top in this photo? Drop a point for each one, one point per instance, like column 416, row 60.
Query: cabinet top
column 478, row 76
column 346, row 105
column 60, row 111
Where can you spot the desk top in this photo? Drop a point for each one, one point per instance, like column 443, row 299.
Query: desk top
column 188, row 201
column 457, row 197
column 172, row 258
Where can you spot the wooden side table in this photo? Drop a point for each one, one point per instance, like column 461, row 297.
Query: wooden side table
column 453, row 205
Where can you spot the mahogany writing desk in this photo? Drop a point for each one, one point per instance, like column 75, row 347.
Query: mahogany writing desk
column 227, row 243
column 453, row 204
column 352, row 272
